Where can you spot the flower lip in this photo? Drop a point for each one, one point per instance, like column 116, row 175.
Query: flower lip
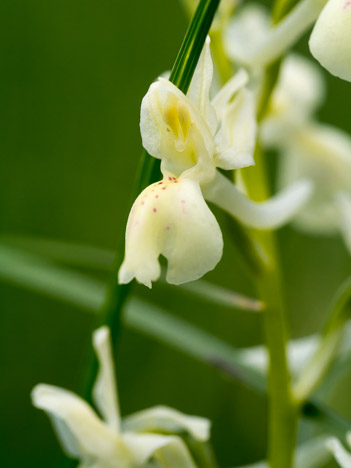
column 171, row 218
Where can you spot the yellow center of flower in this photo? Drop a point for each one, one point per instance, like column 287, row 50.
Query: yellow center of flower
column 177, row 118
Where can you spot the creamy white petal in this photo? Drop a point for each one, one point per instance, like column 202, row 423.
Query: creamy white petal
column 330, row 42
column 236, row 139
column 258, row 49
column 169, row 451
column 81, row 432
column 226, row 93
column 340, row 454
column 344, row 204
column 171, row 218
column 199, row 90
column 105, row 389
column 301, row 84
column 270, row 214
column 247, row 29
column 163, row 418
column 299, row 92
column 323, row 154
column 173, row 129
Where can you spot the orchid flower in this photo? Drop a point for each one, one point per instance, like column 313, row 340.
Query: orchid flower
column 299, row 92
column 322, row 153
column 252, row 41
column 341, row 455
column 310, row 150
column 330, row 41
column 193, row 136
column 110, row 442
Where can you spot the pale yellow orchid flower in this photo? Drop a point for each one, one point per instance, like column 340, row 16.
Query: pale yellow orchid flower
column 111, row 442
column 193, row 136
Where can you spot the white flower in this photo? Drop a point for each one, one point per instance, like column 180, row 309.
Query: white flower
column 110, row 442
column 322, row 153
column 299, row 92
column 252, row 41
column 193, row 135
column 330, row 42
column 309, row 150
column 342, row 456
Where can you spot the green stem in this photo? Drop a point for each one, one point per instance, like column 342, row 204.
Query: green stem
column 283, row 414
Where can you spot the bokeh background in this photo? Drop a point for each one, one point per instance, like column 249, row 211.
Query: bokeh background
column 73, row 74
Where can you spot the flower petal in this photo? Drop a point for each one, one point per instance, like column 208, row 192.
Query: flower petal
column 81, row 433
column 270, row 214
column 299, row 92
column 226, row 93
column 199, row 90
column 170, row 451
column 105, row 390
column 330, row 42
column 247, row 29
column 173, row 129
column 340, row 454
column 165, row 419
column 323, row 154
column 171, row 218
column 251, row 43
column 236, row 138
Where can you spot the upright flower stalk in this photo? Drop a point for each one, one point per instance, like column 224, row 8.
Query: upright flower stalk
column 283, row 411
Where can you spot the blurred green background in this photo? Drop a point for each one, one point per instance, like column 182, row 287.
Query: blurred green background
column 73, row 74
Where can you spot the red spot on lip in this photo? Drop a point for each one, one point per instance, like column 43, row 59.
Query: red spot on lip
column 154, row 210
column 169, row 178
column 160, row 183
column 156, row 196
column 164, row 188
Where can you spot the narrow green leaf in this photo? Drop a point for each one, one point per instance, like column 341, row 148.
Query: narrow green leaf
column 39, row 254
column 39, row 275
column 221, row 296
column 73, row 254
